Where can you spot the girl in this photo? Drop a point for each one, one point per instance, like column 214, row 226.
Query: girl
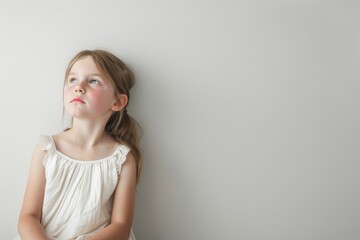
column 82, row 181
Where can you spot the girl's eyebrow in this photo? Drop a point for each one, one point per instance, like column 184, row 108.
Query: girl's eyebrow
column 91, row 74
column 95, row 74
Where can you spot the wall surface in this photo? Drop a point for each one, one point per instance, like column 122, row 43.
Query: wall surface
column 249, row 109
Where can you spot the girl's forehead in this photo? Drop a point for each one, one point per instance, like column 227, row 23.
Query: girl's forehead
column 85, row 65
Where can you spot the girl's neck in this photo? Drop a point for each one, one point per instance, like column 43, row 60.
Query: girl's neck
column 88, row 133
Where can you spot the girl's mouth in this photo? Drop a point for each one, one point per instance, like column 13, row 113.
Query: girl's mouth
column 77, row 100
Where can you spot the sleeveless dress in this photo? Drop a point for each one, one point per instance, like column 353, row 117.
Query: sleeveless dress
column 78, row 195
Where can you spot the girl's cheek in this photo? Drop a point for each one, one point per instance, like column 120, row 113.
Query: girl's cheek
column 67, row 92
column 99, row 99
column 95, row 97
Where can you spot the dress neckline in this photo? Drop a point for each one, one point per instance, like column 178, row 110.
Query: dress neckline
column 83, row 161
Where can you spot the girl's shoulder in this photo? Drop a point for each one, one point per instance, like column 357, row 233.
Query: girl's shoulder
column 60, row 138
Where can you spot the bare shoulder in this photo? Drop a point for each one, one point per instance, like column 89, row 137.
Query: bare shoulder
column 64, row 143
column 65, row 140
column 130, row 159
column 61, row 137
column 128, row 170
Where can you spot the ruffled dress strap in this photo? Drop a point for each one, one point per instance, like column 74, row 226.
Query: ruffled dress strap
column 120, row 156
column 46, row 144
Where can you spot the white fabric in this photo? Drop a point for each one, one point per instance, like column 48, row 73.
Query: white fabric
column 78, row 196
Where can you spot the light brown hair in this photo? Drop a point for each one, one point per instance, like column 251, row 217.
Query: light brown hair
column 121, row 126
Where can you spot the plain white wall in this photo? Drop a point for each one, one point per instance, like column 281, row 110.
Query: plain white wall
column 250, row 110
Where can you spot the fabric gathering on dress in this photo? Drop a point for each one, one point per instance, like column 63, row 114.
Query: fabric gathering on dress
column 78, row 195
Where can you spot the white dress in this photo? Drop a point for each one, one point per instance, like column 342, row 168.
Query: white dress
column 78, row 196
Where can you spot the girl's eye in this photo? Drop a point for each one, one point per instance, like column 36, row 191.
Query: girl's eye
column 94, row 82
column 72, row 80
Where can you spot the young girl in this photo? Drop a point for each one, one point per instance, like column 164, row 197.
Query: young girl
column 82, row 181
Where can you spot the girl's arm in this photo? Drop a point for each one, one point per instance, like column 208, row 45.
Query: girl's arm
column 29, row 225
column 124, row 204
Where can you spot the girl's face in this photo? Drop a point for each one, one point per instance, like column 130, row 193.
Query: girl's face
column 86, row 93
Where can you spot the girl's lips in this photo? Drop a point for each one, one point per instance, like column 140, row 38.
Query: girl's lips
column 77, row 100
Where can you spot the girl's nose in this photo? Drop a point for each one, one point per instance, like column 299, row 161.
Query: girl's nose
column 79, row 89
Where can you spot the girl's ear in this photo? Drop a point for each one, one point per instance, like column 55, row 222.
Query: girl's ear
column 120, row 103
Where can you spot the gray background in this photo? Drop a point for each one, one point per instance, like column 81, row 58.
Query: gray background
column 249, row 109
